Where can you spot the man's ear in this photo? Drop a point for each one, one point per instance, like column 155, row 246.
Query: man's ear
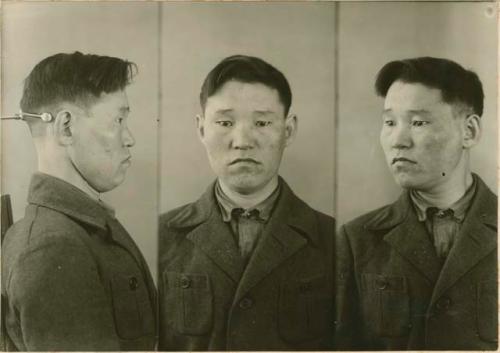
column 63, row 124
column 200, row 121
column 291, row 127
column 472, row 130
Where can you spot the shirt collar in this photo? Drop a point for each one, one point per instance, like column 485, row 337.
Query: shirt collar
column 227, row 206
column 459, row 208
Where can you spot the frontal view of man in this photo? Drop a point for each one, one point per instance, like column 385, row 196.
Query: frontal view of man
column 421, row 273
column 249, row 265
column 72, row 277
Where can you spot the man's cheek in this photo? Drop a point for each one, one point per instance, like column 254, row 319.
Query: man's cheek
column 108, row 144
column 434, row 144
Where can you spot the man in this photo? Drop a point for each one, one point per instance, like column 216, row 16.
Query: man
column 249, row 265
column 421, row 273
column 72, row 277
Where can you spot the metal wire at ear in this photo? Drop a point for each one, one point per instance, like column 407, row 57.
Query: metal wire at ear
column 46, row 117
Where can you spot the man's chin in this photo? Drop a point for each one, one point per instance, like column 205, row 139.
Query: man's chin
column 406, row 181
column 243, row 184
column 108, row 185
column 244, row 189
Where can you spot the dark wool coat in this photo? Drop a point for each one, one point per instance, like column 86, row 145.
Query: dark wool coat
column 282, row 300
column 393, row 293
column 73, row 278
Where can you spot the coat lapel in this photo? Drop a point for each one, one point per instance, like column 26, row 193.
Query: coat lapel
column 476, row 239
column 210, row 234
column 290, row 226
column 214, row 238
column 408, row 237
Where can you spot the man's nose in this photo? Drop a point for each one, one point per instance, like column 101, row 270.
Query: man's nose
column 401, row 137
column 128, row 138
column 242, row 137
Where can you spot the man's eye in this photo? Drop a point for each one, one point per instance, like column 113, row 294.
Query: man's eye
column 120, row 120
column 224, row 123
column 262, row 123
column 419, row 123
column 389, row 122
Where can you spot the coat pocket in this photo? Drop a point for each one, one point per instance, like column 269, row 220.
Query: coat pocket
column 305, row 309
column 385, row 304
column 487, row 310
column 188, row 302
column 132, row 309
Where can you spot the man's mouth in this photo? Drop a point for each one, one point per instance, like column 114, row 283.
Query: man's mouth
column 127, row 160
column 402, row 159
column 243, row 160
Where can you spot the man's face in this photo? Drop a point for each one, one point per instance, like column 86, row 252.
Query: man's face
column 101, row 141
column 421, row 137
column 244, row 131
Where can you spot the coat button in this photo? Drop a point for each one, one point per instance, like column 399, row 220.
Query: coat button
column 133, row 283
column 246, row 303
column 443, row 303
column 381, row 283
column 185, row 282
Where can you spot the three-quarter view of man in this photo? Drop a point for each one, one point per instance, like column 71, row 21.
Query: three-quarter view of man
column 421, row 273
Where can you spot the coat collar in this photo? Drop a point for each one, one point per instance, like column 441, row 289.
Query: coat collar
column 392, row 215
column 408, row 236
column 483, row 205
column 291, row 226
column 295, row 212
column 54, row 193
column 476, row 239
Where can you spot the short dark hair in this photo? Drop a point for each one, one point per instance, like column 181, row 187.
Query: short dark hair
column 247, row 69
column 76, row 78
column 457, row 84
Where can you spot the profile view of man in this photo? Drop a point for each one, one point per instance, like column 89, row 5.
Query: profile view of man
column 72, row 277
column 249, row 265
column 421, row 273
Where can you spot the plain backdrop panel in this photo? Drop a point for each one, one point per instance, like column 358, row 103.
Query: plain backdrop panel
column 32, row 31
column 296, row 38
column 372, row 34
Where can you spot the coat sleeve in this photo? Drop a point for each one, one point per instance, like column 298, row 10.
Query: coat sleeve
column 348, row 318
column 59, row 300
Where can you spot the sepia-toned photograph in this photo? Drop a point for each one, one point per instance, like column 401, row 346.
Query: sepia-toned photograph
column 249, row 176
column 79, row 163
column 416, row 174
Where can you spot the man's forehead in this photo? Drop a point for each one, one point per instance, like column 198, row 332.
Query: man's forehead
column 412, row 96
column 254, row 92
column 231, row 111
column 255, row 97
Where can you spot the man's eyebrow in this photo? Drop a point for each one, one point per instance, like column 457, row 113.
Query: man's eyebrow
column 125, row 109
column 224, row 111
column 264, row 112
column 410, row 112
column 419, row 112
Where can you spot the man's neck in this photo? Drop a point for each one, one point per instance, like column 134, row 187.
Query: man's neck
column 71, row 177
column 53, row 160
column 247, row 201
column 446, row 194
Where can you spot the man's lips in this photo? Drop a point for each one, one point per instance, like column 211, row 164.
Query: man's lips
column 243, row 160
column 402, row 159
column 127, row 160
